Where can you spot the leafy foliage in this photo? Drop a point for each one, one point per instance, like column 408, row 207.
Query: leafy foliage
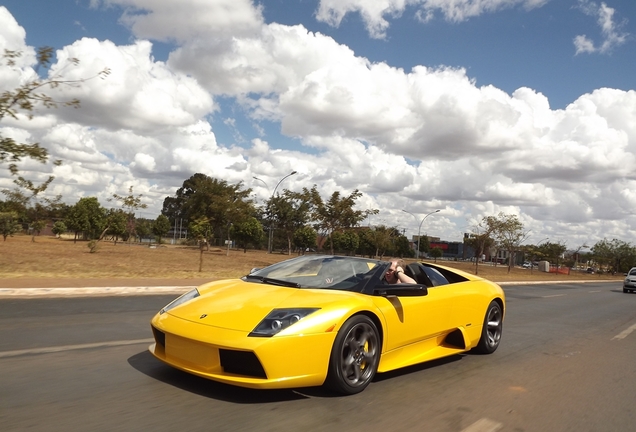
column 59, row 228
column 130, row 204
column 26, row 97
column 9, row 224
column 248, row 232
column 216, row 200
column 346, row 241
column 161, row 227
column 436, row 252
column 508, row 233
column 305, row 237
column 614, row 255
column 86, row 217
column 338, row 213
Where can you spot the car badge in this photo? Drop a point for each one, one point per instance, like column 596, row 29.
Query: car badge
column 203, row 316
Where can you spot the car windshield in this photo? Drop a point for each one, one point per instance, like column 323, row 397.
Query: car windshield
column 632, row 272
column 318, row 271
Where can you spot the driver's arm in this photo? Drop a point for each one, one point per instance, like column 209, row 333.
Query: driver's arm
column 402, row 278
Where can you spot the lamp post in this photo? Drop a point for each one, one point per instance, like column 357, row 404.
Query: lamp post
column 534, row 255
column 271, row 220
column 419, row 229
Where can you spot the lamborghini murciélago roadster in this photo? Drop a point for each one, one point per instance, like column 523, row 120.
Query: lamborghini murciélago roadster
column 329, row 320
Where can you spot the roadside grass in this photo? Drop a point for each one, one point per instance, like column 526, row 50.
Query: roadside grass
column 54, row 258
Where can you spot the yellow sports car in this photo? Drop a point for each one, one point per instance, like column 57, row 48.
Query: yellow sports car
column 330, row 320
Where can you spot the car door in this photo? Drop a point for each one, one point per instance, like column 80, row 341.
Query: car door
column 414, row 319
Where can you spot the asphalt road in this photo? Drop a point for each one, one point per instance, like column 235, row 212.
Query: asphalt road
column 566, row 363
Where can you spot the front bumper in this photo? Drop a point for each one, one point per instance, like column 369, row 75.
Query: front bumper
column 629, row 284
column 232, row 357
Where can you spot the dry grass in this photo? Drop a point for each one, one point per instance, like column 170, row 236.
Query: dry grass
column 51, row 258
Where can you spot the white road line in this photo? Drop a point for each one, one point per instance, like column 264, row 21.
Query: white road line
column 554, row 295
column 625, row 333
column 48, row 350
column 484, row 425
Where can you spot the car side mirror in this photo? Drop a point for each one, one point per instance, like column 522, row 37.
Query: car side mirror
column 400, row 290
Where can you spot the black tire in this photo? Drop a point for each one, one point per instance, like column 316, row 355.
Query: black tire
column 625, row 290
column 491, row 330
column 354, row 357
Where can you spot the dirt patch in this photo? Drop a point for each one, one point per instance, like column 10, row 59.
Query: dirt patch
column 54, row 262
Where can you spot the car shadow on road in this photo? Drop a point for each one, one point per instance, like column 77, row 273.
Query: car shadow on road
column 145, row 363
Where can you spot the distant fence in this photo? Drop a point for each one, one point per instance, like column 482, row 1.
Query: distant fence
column 559, row 270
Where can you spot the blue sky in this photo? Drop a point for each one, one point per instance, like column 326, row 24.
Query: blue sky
column 509, row 49
column 523, row 108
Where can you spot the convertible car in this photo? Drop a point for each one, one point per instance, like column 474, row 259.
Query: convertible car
column 326, row 320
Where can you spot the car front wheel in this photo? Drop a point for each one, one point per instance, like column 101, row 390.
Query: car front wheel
column 491, row 330
column 355, row 356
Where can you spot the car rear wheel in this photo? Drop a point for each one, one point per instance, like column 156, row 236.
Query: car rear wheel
column 355, row 356
column 491, row 330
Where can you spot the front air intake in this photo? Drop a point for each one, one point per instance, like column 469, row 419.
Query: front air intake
column 241, row 363
column 160, row 337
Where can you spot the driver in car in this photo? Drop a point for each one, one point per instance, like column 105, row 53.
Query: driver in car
column 395, row 273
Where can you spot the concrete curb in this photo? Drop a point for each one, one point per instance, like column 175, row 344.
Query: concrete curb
column 92, row 291
column 159, row 290
column 556, row 282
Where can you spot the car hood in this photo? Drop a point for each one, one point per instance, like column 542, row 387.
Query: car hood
column 240, row 305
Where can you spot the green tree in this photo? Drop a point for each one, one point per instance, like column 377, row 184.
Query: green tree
column 552, row 252
column 377, row 241
column 9, row 224
column 130, row 204
column 216, row 200
column 425, row 245
column 305, row 237
column 338, row 213
column 289, row 212
column 616, row 255
column 59, row 228
column 199, row 230
column 160, row 227
column 249, row 231
column 482, row 238
column 87, row 217
column 508, row 233
column 437, row 252
column 345, row 241
column 143, row 228
column 402, row 247
column 116, row 225
column 36, row 228
column 16, row 202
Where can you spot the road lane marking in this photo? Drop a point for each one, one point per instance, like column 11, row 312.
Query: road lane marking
column 48, row 350
column 484, row 425
column 625, row 333
column 553, row 295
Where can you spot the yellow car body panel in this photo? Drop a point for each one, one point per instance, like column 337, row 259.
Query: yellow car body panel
column 195, row 336
column 295, row 357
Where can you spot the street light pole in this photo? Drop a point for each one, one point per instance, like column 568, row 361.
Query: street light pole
column 534, row 255
column 419, row 230
column 271, row 220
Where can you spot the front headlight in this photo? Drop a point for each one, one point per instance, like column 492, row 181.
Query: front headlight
column 279, row 319
column 181, row 300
